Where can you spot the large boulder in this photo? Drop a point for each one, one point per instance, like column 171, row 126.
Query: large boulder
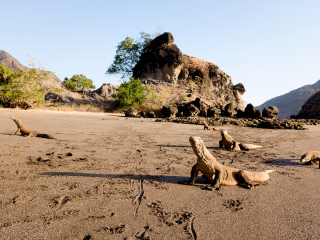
column 270, row 112
column 105, row 91
column 169, row 111
column 164, row 62
column 131, row 112
column 251, row 112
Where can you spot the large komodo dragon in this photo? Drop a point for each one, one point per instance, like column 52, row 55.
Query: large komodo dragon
column 219, row 174
column 311, row 157
column 229, row 143
column 206, row 126
column 27, row 132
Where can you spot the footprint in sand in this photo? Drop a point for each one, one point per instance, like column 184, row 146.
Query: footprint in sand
column 234, row 205
column 59, row 201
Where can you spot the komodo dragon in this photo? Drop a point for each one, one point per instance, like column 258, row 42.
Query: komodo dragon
column 206, row 126
column 27, row 132
column 229, row 143
column 311, row 157
column 217, row 173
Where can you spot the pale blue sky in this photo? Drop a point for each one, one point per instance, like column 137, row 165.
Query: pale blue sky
column 271, row 46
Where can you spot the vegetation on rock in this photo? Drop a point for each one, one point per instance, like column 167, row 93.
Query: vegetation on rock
column 128, row 54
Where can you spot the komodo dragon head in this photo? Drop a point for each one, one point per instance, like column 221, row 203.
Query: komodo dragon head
column 15, row 119
column 197, row 146
column 304, row 158
column 309, row 156
column 223, row 132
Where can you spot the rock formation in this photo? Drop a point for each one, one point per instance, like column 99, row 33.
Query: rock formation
column 311, row 108
column 105, row 91
column 163, row 61
column 270, row 112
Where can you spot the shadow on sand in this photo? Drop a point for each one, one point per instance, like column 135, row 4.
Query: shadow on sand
column 158, row 178
column 285, row 162
column 189, row 146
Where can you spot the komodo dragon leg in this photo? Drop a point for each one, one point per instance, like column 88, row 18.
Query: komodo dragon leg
column 217, row 179
column 194, row 174
column 17, row 131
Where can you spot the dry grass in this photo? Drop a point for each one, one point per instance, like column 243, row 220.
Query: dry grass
column 82, row 105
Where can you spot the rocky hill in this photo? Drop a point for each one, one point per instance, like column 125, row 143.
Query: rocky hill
column 163, row 63
column 12, row 63
column 50, row 82
column 291, row 102
column 311, row 108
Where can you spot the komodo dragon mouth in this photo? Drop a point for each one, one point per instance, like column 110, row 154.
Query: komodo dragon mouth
column 197, row 146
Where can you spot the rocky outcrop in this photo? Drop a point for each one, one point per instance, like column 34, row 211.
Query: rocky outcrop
column 105, row 91
column 311, row 108
column 131, row 112
column 163, row 61
column 270, row 112
column 251, row 112
column 275, row 123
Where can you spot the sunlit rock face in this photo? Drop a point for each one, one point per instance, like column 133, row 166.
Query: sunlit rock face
column 163, row 62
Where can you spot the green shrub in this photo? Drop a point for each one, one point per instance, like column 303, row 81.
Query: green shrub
column 130, row 94
column 20, row 88
column 78, row 83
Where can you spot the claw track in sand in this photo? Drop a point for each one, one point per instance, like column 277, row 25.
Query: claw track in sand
column 138, row 198
column 193, row 232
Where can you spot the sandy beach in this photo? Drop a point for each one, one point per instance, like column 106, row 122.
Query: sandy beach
column 106, row 176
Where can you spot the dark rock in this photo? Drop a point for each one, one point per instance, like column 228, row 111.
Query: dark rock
column 240, row 114
column 258, row 113
column 202, row 106
column 230, row 110
column 192, row 111
column 169, row 111
column 240, row 88
column 131, row 112
column 311, row 108
column 270, row 112
column 53, row 98
column 250, row 111
column 213, row 112
column 149, row 114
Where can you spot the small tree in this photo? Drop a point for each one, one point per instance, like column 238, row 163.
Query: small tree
column 20, row 88
column 130, row 94
column 78, row 83
column 128, row 54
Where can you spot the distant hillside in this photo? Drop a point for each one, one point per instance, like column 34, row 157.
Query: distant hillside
column 12, row 63
column 291, row 102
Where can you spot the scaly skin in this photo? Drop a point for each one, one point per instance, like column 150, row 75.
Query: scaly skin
column 217, row 173
column 206, row 126
column 228, row 142
column 312, row 157
column 27, row 132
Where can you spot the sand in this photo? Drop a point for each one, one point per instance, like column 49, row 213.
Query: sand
column 111, row 177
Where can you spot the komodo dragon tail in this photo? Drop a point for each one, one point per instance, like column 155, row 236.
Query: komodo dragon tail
column 44, row 135
column 269, row 171
column 245, row 146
